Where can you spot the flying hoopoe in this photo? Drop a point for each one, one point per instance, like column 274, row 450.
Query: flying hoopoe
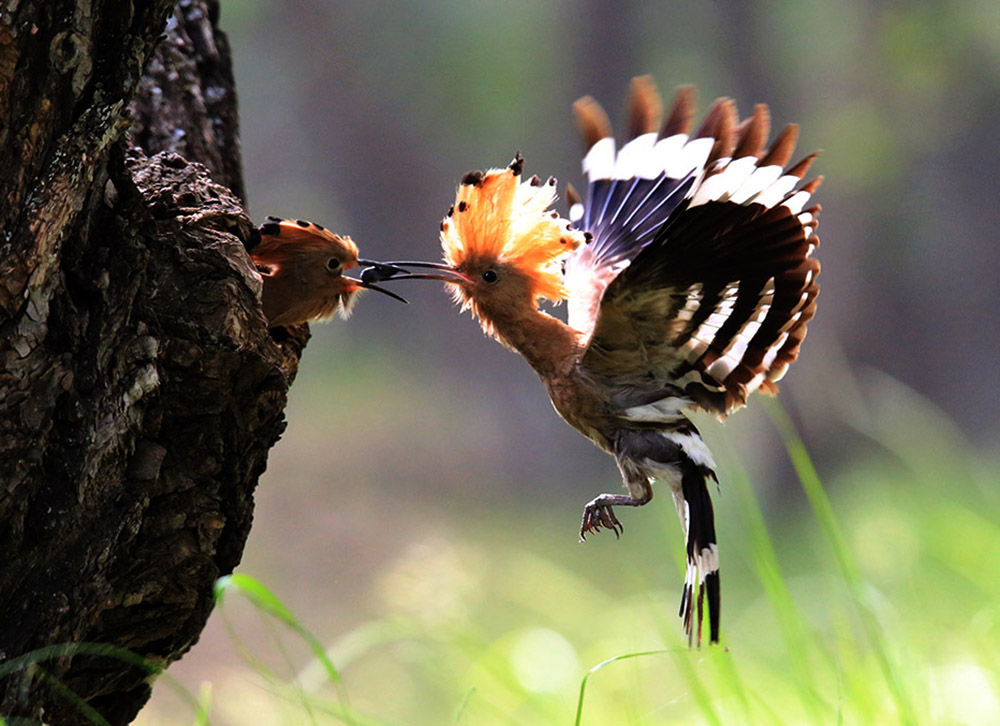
column 303, row 265
column 689, row 280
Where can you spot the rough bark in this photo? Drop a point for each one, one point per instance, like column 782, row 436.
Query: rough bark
column 139, row 389
column 186, row 101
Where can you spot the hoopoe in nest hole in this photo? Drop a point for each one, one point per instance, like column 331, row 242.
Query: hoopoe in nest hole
column 303, row 267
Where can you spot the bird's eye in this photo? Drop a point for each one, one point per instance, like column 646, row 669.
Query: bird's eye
column 490, row 276
column 333, row 263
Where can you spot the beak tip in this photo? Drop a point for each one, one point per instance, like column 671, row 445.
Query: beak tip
column 390, row 293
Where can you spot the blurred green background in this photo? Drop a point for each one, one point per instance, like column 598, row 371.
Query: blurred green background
column 419, row 515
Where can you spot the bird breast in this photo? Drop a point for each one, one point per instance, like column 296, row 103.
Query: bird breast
column 582, row 403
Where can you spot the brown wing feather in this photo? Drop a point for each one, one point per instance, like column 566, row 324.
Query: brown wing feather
column 592, row 120
column 752, row 133
column 783, row 147
column 645, row 107
column 681, row 113
column 718, row 124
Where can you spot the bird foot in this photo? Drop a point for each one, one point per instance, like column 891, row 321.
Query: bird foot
column 598, row 514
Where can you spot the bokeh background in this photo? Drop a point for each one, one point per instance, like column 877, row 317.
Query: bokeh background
column 420, row 513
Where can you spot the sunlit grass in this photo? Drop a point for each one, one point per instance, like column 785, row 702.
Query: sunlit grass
column 876, row 604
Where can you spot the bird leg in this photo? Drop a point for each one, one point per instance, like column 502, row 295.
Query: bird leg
column 599, row 513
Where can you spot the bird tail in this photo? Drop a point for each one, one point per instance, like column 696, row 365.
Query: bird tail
column 701, row 582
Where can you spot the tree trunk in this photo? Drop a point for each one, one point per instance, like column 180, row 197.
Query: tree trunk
column 140, row 390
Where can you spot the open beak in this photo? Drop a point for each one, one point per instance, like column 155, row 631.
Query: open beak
column 382, row 271
column 386, row 271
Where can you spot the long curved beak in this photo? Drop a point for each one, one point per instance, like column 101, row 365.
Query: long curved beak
column 380, row 272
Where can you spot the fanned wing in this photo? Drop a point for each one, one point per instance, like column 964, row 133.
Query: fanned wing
column 713, row 302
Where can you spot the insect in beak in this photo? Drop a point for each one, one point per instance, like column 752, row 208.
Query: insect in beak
column 380, row 272
column 385, row 271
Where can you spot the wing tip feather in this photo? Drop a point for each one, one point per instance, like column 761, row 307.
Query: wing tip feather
column 752, row 132
column 781, row 149
column 681, row 112
column 645, row 106
column 592, row 120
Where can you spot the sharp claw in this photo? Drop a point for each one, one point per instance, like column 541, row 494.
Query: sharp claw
column 598, row 516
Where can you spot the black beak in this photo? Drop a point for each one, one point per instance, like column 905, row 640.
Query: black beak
column 382, row 271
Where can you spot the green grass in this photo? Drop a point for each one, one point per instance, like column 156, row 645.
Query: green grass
column 874, row 602
column 877, row 606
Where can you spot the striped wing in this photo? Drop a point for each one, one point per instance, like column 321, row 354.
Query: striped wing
column 712, row 303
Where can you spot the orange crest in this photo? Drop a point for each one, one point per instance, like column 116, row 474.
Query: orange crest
column 497, row 218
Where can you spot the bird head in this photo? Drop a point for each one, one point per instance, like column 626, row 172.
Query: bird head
column 303, row 265
column 502, row 245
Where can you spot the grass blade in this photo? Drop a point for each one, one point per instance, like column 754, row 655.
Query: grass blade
column 599, row 666
column 268, row 602
column 793, row 628
column 72, row 696
column 204, row 704
column 823, row 511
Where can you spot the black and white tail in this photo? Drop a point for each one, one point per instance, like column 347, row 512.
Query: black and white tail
column 701, row 581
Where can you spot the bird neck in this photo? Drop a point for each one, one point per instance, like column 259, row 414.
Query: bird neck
column 548, row 344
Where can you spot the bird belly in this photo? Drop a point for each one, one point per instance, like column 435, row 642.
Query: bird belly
column 583, row 408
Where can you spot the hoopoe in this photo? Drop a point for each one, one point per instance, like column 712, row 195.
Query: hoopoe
column 303, row 265
column 690, row 280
